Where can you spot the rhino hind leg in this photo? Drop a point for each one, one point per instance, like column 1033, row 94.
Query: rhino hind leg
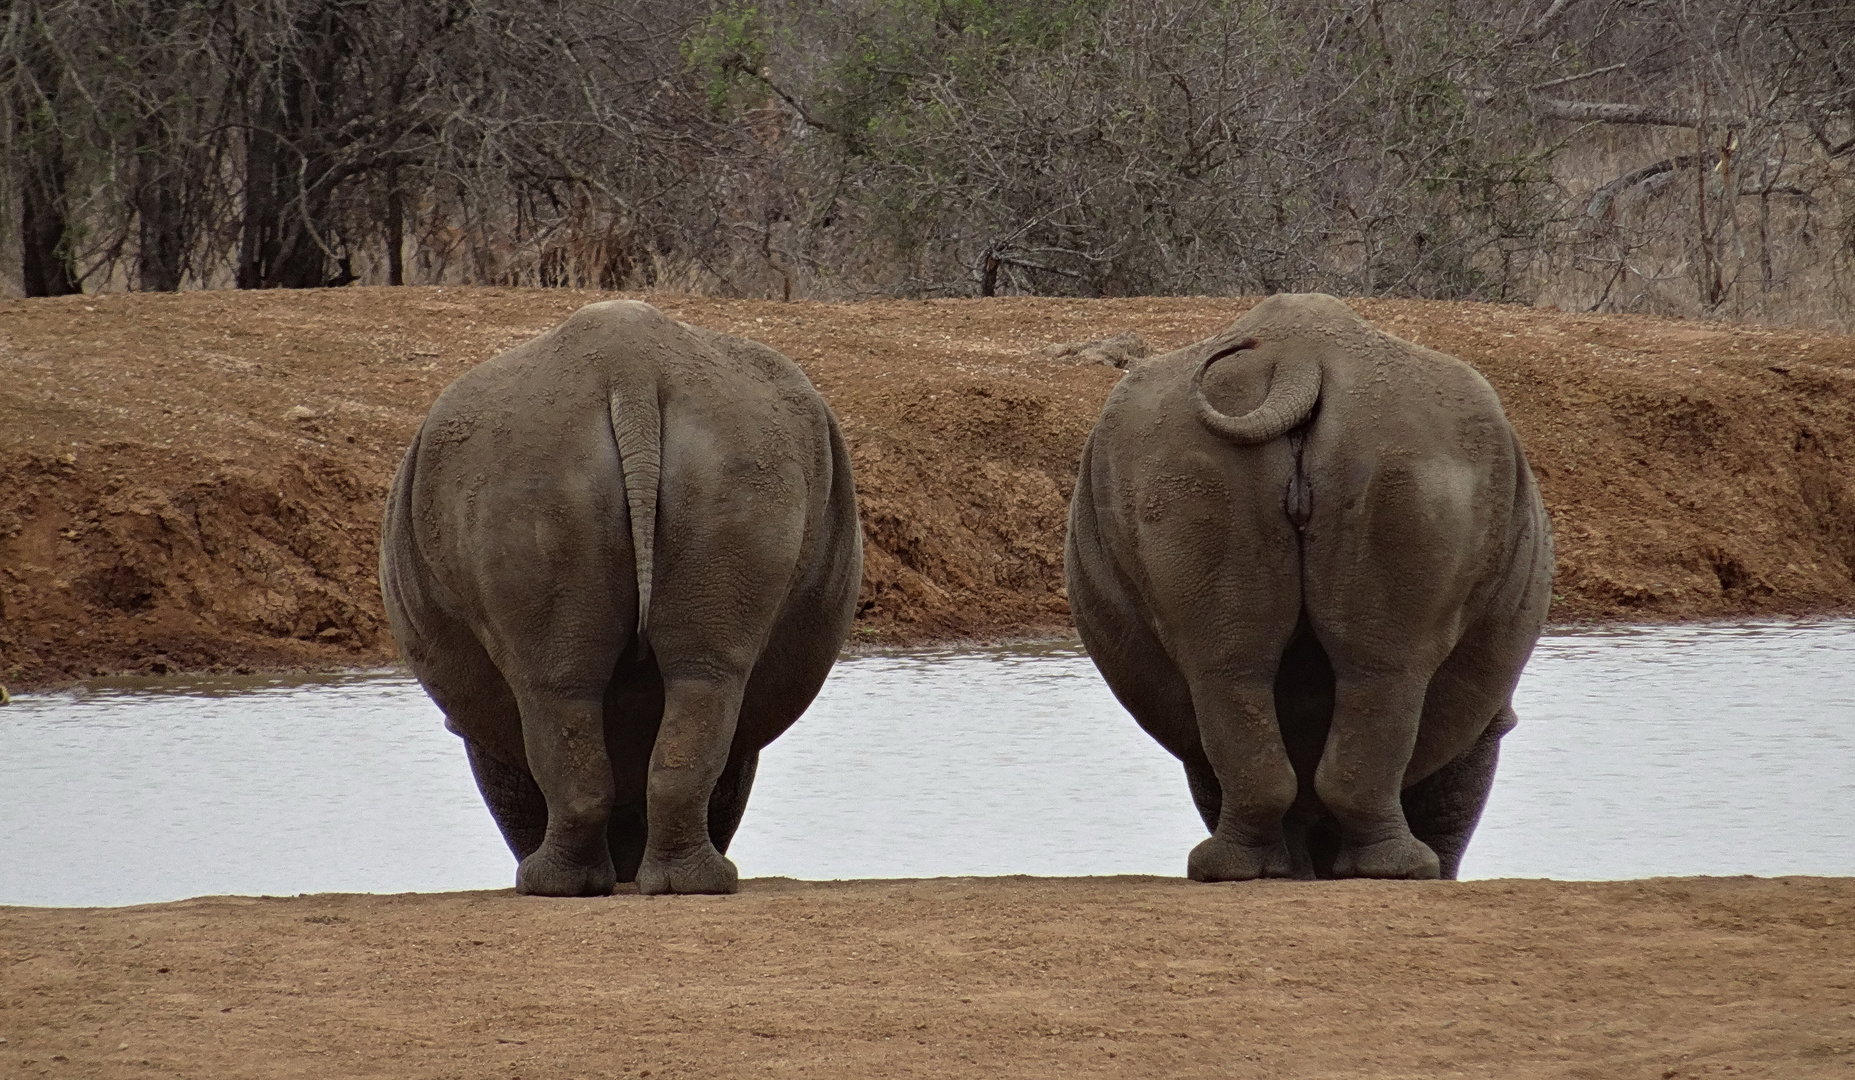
column 513, row 798
column 564, row 735
column 633, row 710
column 1322, row 844
column 1256, row 786
column 1361, row 773
column 625, row 833
column 1444, row 807
column 481, row 709
column 628, row 831
column 1207, row 793
column 1217, row 858
column 700, row 712
column 728, row 803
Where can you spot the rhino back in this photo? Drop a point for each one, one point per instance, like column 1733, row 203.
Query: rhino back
column 517, row 485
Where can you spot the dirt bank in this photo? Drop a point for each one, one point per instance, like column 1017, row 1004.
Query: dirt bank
column 193, row 481
column 1137, row 977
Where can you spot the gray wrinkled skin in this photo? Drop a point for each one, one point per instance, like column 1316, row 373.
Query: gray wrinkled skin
column 621, row 558
column 1315, row 581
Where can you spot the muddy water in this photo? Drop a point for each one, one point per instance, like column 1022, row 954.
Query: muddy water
column 1689, row 750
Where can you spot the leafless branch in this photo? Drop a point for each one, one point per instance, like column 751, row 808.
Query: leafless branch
column 1624, row 113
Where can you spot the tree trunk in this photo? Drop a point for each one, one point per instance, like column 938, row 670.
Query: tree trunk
column 275, row 250
column 166, row 161
column 395, row 230
column 47, row 263
column 257, row 235
column 48, row 267
column 160, row 212
column 287, row 155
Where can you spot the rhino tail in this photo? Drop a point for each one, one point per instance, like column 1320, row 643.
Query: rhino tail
column 637, row 428
column 1294, row 387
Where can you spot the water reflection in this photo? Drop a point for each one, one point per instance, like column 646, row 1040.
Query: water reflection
column 1641, row 751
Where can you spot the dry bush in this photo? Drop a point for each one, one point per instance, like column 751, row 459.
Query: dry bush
column 1676, row 156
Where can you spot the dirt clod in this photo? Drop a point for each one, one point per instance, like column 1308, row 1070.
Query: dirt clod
column 1115, row 352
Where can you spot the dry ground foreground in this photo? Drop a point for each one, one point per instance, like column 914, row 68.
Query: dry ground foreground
column 194, row 481
column 962, row 978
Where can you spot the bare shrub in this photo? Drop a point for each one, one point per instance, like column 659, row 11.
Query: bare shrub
column 1676, row 156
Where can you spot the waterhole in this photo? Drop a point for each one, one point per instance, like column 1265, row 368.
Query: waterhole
column 1640, row 752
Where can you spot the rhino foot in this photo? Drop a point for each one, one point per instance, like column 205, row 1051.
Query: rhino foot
column 706, row 871
column 545, row 873
column 1217, row 859
column 1399, row 857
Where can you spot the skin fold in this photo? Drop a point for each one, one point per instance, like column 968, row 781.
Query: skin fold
column 1310, row 559
column 621, row 558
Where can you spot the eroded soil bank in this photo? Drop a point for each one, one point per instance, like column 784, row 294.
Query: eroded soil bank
column 193, row 481
column 979, row 978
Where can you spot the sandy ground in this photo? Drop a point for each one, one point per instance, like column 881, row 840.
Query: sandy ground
column 1135, row 977
column 193, row 481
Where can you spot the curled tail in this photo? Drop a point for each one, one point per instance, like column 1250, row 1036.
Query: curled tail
column 1294, row 387
column 637, row 428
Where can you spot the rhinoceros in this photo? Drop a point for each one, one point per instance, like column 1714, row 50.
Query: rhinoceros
column 622, row 558
column 1311, row 560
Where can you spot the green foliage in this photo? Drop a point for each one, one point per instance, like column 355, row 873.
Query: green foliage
column 725, row 49
column 891, row 77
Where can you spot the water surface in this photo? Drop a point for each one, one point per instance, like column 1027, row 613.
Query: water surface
column 1641, row 752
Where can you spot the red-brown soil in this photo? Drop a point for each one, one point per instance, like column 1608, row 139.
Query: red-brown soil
column 193, row 481
column 956, row 978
